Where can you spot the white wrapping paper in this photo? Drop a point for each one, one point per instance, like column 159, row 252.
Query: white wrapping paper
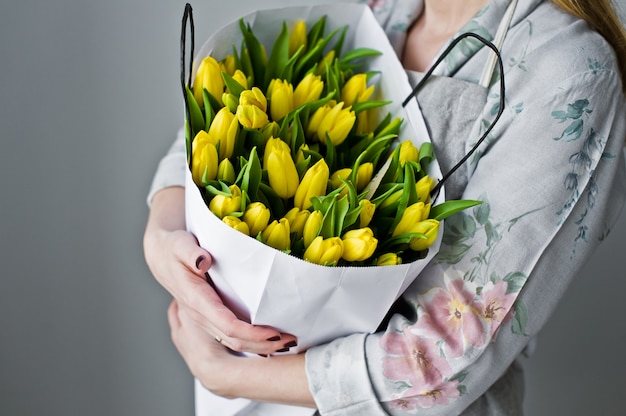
column 268, row 287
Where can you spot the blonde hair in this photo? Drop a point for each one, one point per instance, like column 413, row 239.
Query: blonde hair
column 602, row 17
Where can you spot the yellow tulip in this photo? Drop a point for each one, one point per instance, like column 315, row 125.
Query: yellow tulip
column 300, row 156
column 222, row 205
column 226, row 171
column 271, row 129
column 413, row 214
column 359, row 244
column 367, row 212
column 281, row 169
column 297, row 219
column 230, row 101
column 312, row 227
column 251, row 116
column 423, row 188
column 237, row 224
column 338, row 175
column 297, row 38
column 326, row 252
column 336, row 122
column 430, row 228
column 204, row 163
column 326, row 60
column 228, row 64
column 356, row 89
column 308, row 90
column 254, row 97
column 391, row 199
column 277, row 234
column 209, row 77
column 256, row 215
column 363, row 122
column 225, row 128
column 408, row 152
column 313, row 183
column 388, row 259
column 241, row 78
column 280, row 93
column 364, row 175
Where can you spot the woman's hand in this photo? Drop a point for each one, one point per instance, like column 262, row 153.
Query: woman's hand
column 181, row 266
column 279, row 379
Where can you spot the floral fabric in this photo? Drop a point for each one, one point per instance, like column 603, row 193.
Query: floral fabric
column 552, row 180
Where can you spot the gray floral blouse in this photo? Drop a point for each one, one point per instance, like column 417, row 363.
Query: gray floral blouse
column 552, row 180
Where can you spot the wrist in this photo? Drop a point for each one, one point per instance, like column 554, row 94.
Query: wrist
column 278, row 379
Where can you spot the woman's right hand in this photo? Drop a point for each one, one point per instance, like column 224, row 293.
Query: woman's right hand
column 181, row 266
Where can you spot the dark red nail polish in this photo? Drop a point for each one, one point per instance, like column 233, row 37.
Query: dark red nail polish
column 199, row 261
column 274, row 338
column 283, row 350
column 262, row 355
column 291, row 344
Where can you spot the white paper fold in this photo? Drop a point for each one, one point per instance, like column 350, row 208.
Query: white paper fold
column 268, row 287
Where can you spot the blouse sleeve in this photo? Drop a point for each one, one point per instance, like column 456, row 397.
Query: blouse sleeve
column 552, row 184
column 171, row 168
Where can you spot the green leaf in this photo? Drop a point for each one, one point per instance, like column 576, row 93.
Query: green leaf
column 358, row 53
column 368, row 105
column 447, row 208
column 233, row 86
column 252, row 175
column 314, row 54
column 255, row 52
column 211, row 101
column 427, row 154
column 275, row 203
column 224, row 190
column 279, row 56
column 331, row 154
column 409, row 194
column 339, row 44
column 195, row 114
column 317, row 31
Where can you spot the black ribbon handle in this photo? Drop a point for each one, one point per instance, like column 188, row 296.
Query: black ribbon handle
column 437, row 188
column 187, row 17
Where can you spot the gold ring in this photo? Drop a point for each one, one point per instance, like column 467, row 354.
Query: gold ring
column 218, row 339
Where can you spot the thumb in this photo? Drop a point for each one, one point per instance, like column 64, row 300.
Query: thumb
column 197, row 259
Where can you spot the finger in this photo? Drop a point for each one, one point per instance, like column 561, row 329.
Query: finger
column 189, row 252
column 174, row 322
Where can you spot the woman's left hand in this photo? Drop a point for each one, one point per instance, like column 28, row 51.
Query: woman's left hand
column 280, row 379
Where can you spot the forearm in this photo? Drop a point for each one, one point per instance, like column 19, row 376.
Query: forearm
column 167, row 210
column 277, row 379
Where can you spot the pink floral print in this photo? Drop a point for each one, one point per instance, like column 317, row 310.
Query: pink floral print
column 451, row 314
column 455, row 321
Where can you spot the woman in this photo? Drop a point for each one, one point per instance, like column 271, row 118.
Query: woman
column 551, row 178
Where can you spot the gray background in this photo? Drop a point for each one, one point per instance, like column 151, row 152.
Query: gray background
column 89, row 101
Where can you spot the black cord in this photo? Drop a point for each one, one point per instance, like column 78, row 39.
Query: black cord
column 413, row 93
column 187, row 17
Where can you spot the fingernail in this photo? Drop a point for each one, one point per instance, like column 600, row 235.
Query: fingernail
column 274, row 338
column 283, row 350
column 262, row 355
column 199, row 261
column 290, row 344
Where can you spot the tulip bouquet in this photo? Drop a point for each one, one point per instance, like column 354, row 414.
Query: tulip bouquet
column 284, row 148
column 300, row 158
